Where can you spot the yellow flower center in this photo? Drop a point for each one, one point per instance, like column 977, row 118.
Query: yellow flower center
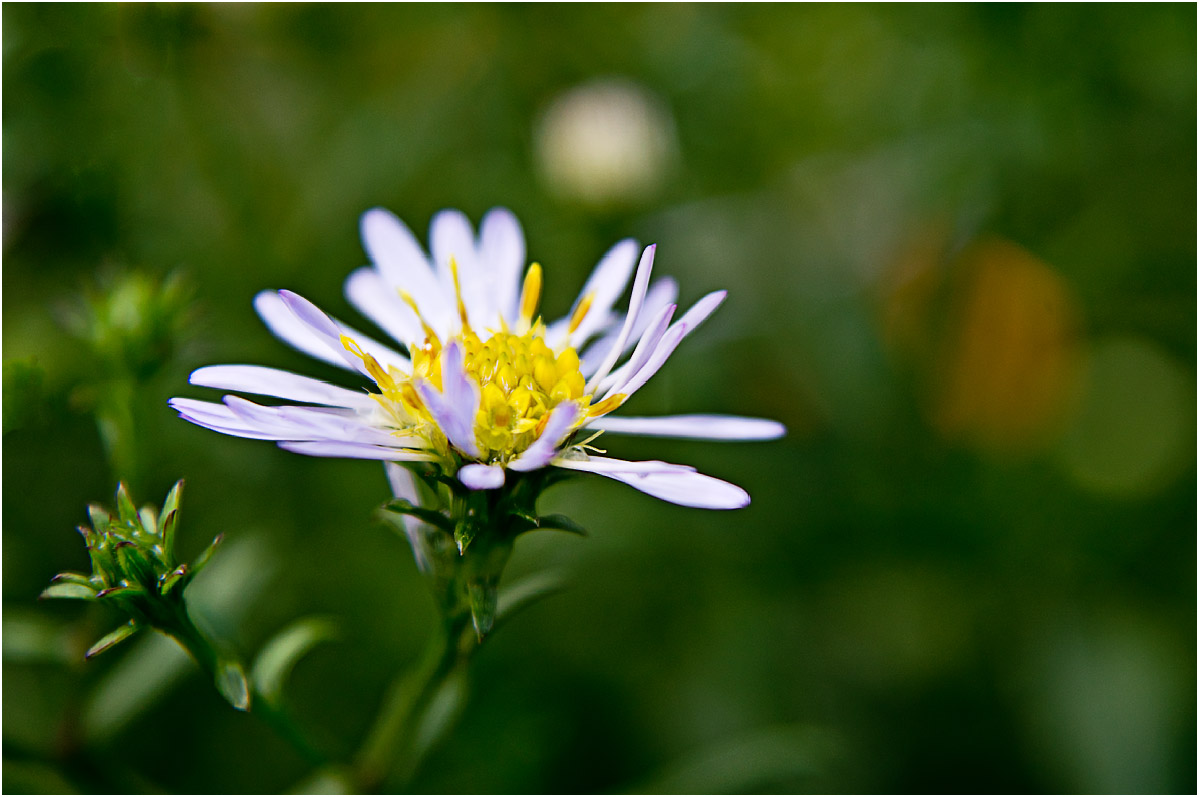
column 520, row 378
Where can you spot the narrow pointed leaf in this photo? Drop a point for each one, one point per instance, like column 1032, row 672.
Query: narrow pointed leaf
column 430, row 516
column 112, row 638
column 206, row 555
column 526, row 592
column 69, row 590
column 484, row 597
column 280, row 654
column 99, row 516
column 149, row 520
column 171, row 503
column 74, row 578
column 125, row 507
column 170, row 521
column 137, row 567
column 177, row 578
column 561, row 522
column 464, row 533
column 231, row 682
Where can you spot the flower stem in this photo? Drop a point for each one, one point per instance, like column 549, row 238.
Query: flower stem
column 390, row 751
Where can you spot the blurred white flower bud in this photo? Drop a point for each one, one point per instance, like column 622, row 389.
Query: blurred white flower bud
column 606, row 142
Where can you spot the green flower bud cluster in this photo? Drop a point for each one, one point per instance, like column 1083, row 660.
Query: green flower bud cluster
column 134, row 569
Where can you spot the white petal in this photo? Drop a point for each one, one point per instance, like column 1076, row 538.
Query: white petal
column 455, row 407
column 645, row 349
column 662, row 293
column 314, row 423
column 403, row 483
column 335, row 448
column 696, row 427
column 280, row 384
column 502, row 251
column 283, row 323
column 605, row 285
column 679, row 330
column 218, row 418
column 401, row 261
column 481, row 477
column 329, row 330
column 640, row 283
column 381, row 303
column 562, row 419
column 608, row 465
column 666, row 346
column 687, row 489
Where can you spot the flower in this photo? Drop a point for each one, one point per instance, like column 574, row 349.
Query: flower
column 483, row 387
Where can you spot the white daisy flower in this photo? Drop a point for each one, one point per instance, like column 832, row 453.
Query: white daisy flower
column 482, row 386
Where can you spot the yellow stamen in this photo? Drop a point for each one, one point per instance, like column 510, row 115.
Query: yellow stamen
column 607, row 405
column 430, row 335
column 381, row 377
column 580, row 312
column 458, row 293
column 530, row 295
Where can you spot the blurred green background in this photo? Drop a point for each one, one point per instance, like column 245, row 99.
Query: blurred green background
column 960, row 249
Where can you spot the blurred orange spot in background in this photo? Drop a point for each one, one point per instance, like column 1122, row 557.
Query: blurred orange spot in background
column 1012, row 353
column 998, row 332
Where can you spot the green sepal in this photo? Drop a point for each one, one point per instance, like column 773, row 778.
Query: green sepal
column 431, row 516
column 179, row 577
column 278, row 656
column 231, row 682
column 125, row 507
column 112, row 639
column 198, row 563
column 69, row 589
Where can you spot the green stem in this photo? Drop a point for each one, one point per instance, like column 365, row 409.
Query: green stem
column 389, row 752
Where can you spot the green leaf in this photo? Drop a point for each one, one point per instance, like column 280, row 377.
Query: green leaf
column 68, row 589
column 206, row 555
column 431, row 516
column 148, row 520
column 484, row 597
column 74, row 578
column 170, row 520
column 112, row 638
column 526, row 592
column 561, row 522
column 464, row 533
column 119, row 593
column 277, row 658
column 231, row 682
column 125, row 507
